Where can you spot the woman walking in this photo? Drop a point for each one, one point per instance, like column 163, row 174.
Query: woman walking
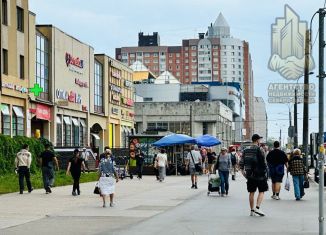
column 162, row 162
column 223, row 165
column 297, row 170
column 107, row 179
column 74, row 166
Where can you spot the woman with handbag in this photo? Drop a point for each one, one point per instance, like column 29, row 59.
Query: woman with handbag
column 107, row 178
column 298, row 171
column 223, row 165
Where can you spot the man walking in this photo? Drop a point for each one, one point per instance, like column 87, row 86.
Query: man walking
column 193, row 163
column 234, row 161
column 48, row 159
column 84, row 156
column 276, row 160
column 23, row 162
column 253, row 167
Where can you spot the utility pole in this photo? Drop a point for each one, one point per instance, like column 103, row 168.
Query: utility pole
column 305, row 131
column 321, row 77
column 190, row 119
column 295, row 117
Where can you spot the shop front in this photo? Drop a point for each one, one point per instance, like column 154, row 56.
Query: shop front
column 40, row 118
column 97, row 133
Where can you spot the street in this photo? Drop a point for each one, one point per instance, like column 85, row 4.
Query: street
column 149, row 207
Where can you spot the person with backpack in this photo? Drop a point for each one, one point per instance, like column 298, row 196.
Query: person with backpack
column 276, row 160
column 234, row 161
column 254, row 168
column 223, row 165
column 23, row 163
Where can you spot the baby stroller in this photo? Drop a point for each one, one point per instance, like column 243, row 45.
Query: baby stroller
column 214, row 184
column 122, row 167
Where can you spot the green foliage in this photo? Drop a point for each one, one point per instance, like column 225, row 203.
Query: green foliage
column 9, row 182
column 9, row 147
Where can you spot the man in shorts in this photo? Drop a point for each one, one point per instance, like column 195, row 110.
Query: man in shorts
column 253, row 166
column 192, row 159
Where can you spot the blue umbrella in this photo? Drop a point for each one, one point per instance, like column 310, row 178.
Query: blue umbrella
column 174, row 139
column 207, row 141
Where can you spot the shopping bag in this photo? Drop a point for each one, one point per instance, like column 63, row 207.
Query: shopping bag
column 287, row 184
column 306, row 183
column 96, row 189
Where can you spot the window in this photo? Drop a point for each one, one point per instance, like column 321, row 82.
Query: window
column 186, row 54
column 59, row 131
column 193, row 53
column 5, row 119
column 140, row 54
column 177, row 61
column 155, row 54
column 98, row 88
column 17, row 121
column 193, row 47
column 239, row 66
column 232, row 47
column 42, row 65
column 75, row 132
column 132, row 55
column 67, row 131
column 178, row 55
column 5, row 61
column 232, row 53
column 233, row 66
column 21, row 67
column 20, row 19
column 147, row 55
column 4, row 12
column 148, row 99
column 170, row 61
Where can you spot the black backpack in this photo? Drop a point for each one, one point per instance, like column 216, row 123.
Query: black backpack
column 233, row 159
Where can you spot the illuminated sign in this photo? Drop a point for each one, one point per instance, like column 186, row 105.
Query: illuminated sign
column 115, row 111
column 81, row 83
column 70, row 60
column 71, row 96
column 116, row 74
column 115, row 88
column 128, row 83
column 14, row 87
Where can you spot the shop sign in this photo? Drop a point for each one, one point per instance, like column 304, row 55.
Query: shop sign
column 115, row 97
column 128, row 83
column 15, row 87
column 71, row 96
column 81, row 83
column 115, row 111
column 115, row 88
column 70, row 60
column 131, row 114
column 43, row 112
column 116, row 74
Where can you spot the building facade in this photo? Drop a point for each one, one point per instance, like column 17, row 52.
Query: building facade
column 261, row 125
column 17, row 24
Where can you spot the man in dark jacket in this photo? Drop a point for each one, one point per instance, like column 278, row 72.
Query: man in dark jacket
column 276, row 160
column 253, row 166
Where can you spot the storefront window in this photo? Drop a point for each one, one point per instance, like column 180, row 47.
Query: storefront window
column 5, row 119
column 59, row 131
column 98, row 88
column 42, row 65
column 67, row 131
column 82, row 133
column 17, row 121
column 75, row 132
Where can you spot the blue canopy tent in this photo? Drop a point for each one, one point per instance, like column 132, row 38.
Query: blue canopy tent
column 174, row 139
column 207, row 141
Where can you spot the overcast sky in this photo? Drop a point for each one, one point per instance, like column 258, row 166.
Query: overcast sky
column 108, row 24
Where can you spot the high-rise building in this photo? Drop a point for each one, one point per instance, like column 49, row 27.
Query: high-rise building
column 148, row 40
column 213, row 56
column 260, row 126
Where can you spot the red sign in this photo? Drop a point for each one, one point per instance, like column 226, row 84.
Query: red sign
column 74, row 61
column 43, row 112
column 130, row 102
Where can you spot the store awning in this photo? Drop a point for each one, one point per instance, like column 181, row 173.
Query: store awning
column 67, row 120
column 59, row 120
column 75, row 121
column 5, row 109
column 95, row 136
column 18, row 111
column 82, row 122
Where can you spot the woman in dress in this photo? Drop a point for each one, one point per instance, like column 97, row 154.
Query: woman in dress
column 74, row 166
column 107, row 179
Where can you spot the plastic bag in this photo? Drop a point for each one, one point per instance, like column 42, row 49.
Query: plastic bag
column 287, row 184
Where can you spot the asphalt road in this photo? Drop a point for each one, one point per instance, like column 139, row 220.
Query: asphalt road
column 150, row 207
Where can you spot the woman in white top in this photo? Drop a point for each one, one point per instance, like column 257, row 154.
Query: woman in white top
column 162, row 162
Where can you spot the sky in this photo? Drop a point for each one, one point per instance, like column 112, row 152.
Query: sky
column 109, row 24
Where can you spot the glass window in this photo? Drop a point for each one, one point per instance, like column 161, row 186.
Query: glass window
column 18, row 122
column 21, row 67
column 59, row 134
column 20, row 19
column 5, row 61
column 75, row 134
column 5, row 120
column 42, row 65
column 98, row 86
column 67, row 131
column 4, row 12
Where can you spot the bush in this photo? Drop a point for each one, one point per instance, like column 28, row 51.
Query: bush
column 9, row 147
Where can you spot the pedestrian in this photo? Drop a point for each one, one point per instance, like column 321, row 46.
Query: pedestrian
column 139, row 163
column 162, row 163
column 74, row 167
column 223, row 165
column 155, row 164
column 85, row 157
column 107, row 151
column 203, row 153
column 107, row 179
column 193, row 163
column 298, row 171
column 211, row 157
column 48, row 163
column 23, row 163
column 234, row 161
column 254, row 168
column 276, row 160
